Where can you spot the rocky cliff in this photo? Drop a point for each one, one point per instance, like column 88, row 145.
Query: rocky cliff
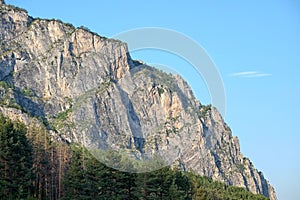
column 86, row 89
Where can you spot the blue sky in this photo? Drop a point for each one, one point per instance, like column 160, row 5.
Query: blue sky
column 254, row 44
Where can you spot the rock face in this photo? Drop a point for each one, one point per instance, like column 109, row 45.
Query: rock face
column 86, row 88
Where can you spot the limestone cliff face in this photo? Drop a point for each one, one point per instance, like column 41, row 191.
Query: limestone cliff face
column 86, row 88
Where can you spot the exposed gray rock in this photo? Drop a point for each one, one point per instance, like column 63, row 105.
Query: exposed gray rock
column 90, row 91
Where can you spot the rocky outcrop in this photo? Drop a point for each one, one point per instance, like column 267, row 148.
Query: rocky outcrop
column 87, row 89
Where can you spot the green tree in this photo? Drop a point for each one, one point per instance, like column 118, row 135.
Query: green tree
column 126, row 185
column 15, row 160
column 76, row 180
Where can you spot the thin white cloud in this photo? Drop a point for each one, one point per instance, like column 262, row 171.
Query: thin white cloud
column 250, row 74
column 244, row 73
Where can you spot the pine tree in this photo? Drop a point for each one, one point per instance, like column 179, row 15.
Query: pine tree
column 94, row 170
column 41, row 162
column 75, row 179
column 126, row 185
column 16, row 160
column 183, row 184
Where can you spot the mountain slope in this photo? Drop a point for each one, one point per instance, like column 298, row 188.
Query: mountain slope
column 88, row 90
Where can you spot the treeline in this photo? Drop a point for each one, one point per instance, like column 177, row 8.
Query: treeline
column 34, row 167
column 87, row 178
column 31, row 165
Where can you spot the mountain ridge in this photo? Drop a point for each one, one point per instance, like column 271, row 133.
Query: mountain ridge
column 68, row 77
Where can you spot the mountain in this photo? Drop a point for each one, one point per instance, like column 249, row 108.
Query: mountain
column 86, row 89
